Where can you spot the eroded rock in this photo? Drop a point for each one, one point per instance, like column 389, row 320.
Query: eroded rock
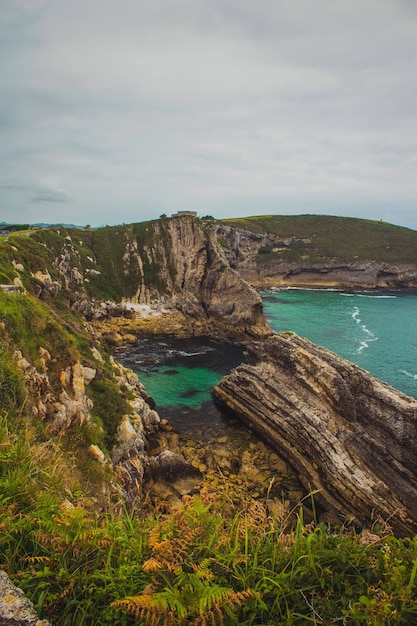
column 346, row 433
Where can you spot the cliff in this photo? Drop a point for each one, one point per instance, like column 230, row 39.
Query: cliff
column 175, row 264
column 201, row 283
column 320, row 252
column 73, row 291
column 61, row 284
column 346, row 433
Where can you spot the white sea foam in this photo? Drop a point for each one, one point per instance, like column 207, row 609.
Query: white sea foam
column 371, row 295
column 366, row 295
column 409, row 374
column 370, row 336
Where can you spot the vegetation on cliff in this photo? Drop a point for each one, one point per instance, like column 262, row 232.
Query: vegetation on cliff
column 203, row 564
column 66, row 537
column 317, row 238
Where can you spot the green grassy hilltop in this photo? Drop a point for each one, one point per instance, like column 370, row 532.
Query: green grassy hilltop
column 321, row 237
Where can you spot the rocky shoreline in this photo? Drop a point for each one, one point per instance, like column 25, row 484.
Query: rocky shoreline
column 224, row 468
column 348, row 435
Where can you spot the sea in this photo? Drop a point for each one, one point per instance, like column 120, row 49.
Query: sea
column 377, row 331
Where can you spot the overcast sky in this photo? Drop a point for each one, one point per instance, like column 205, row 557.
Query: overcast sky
column 117, row 111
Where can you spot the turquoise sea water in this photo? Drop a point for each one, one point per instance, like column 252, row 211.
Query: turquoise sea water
column 179, row 375
column 377, row 331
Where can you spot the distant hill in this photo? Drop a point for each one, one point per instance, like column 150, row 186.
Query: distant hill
column 316, row 238
column 39, row 225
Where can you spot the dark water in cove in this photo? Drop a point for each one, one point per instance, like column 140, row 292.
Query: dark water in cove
column 179, row 375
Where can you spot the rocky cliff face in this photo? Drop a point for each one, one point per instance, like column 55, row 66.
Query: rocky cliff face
column 334, row 275
column 171, row 263
column 195, row 278
column 347, row 434
column 63, row 408
column 244, row 251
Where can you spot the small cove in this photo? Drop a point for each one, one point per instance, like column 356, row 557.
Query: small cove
column 376, row 331
column 179, row 375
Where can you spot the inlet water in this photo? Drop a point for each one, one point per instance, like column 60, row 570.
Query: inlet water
column 179, row 375
column 378, row 332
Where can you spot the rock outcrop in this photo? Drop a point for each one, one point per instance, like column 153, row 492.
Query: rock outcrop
column 346, row 433
column 129, row 455
column 63, row 408
column 333, row 275
column 196, row 279
column 244, row 252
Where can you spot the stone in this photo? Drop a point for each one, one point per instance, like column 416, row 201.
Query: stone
column 97, row 454
column 89, row 374
column 15, row 608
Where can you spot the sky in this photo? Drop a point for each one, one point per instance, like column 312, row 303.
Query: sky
column 116, row 112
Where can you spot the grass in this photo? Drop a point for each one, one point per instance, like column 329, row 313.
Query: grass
column 320, row 237
column 29, row 324
column 202, row 564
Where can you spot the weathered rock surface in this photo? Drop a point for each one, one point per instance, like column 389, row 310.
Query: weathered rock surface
column 129, row 455
column 59, row 409
column 198, row 294
column 205, row 285
column 170, row 476
column 15, row 608
column 334, row 275
column 345, row 432
column 244, row 247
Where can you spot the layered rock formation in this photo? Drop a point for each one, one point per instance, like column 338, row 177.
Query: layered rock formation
column 244, row 253
column 195, row 278
column 333, row 275
column 346, row 433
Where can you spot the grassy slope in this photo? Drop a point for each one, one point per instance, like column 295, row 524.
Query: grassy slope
column 338, row 238
column 78, row 569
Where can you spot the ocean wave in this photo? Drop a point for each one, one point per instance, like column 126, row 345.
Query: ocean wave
column 369, row 295
column 364, row 343
column 409, row 374
column 352, row 294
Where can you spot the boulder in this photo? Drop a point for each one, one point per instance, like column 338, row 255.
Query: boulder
column 15, row 608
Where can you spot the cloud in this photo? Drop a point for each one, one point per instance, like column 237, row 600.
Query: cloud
column 271, row 106
column 50, row 194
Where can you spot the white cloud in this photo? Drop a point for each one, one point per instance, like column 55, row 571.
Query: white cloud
column 229, row 106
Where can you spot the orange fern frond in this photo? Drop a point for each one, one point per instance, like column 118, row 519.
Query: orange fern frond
column 35, row 559
column 152, row 565
column 141, row 608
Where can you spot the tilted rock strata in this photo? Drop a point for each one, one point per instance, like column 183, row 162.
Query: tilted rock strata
column 346, row 433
